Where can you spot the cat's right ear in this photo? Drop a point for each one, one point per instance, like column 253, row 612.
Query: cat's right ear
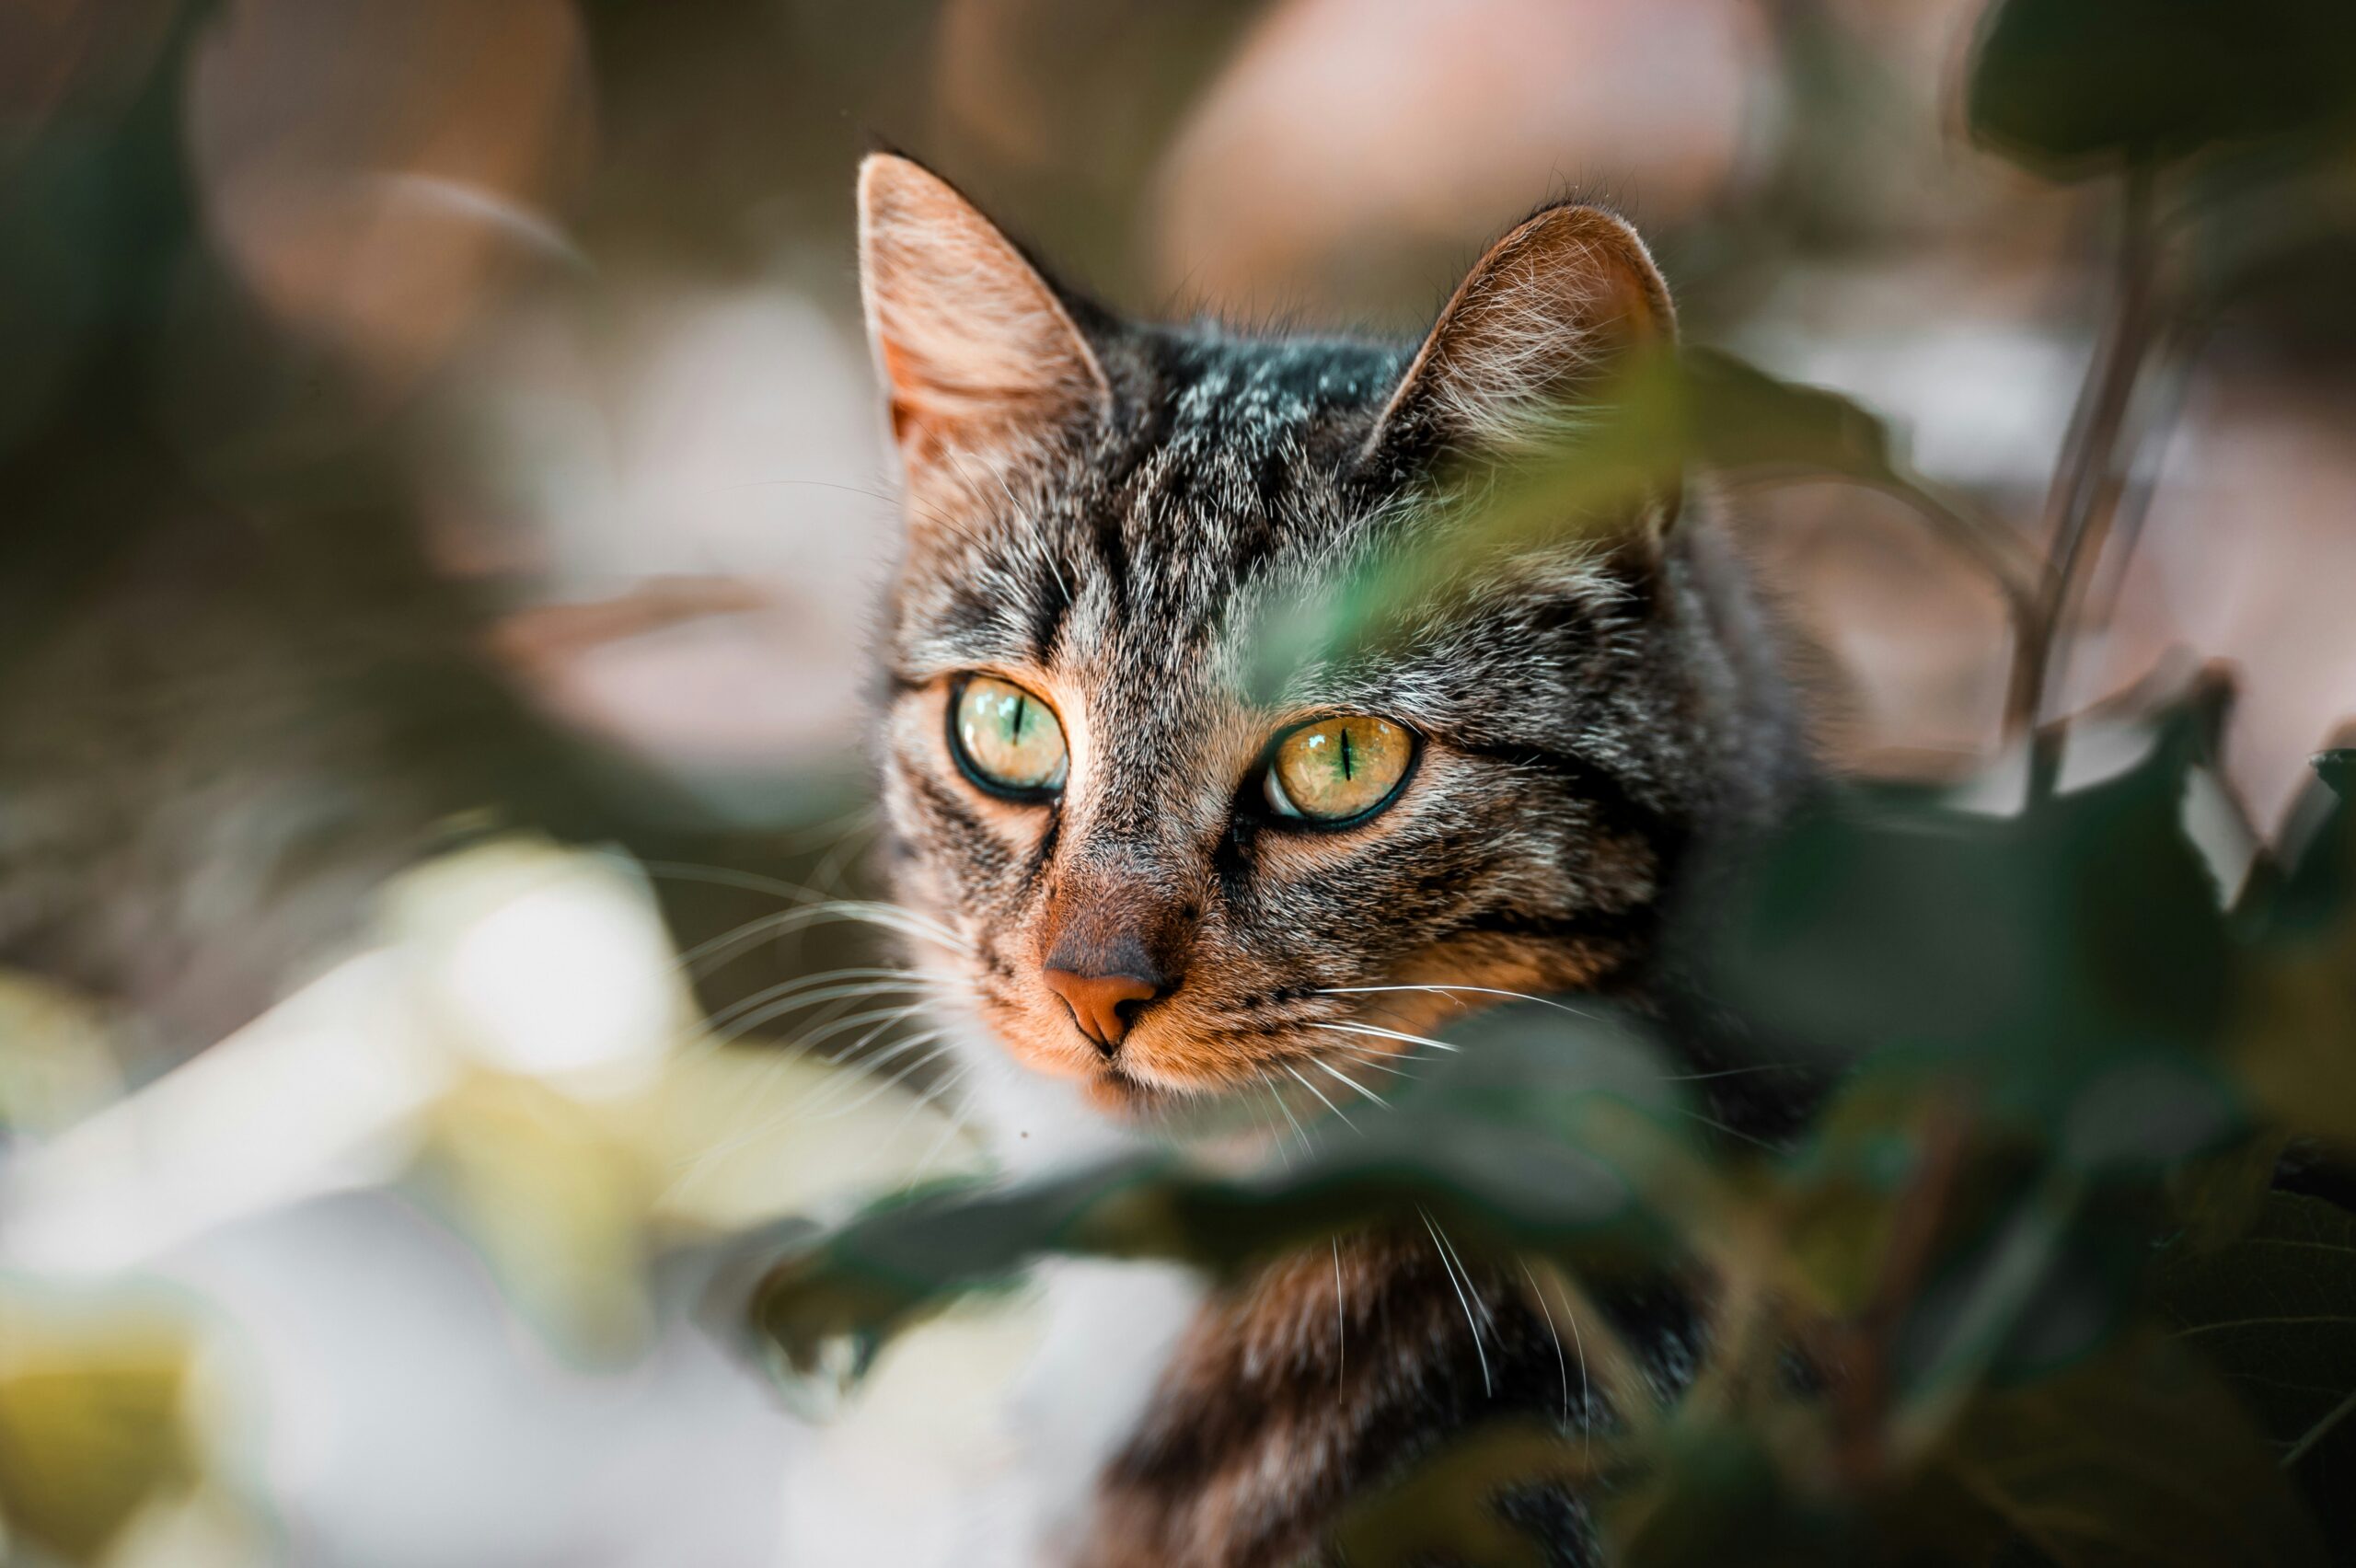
column 1536, row 336
column 976, row 348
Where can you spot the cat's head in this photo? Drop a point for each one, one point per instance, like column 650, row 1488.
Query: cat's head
column 1176, row 845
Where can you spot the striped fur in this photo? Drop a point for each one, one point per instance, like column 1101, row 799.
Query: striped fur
column 1126, row 519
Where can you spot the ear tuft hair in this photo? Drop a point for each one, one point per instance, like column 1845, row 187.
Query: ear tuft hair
column 1536, row 329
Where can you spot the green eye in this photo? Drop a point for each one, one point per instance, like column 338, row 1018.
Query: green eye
column 1007, row 739
column 1338, row 768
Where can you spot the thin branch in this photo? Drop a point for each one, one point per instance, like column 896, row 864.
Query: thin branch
column 545, row 634
column 2319, row 1430
column 1997, row 550
column 2089, row 483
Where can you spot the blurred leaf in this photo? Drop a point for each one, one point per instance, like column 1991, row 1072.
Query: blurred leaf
column 2317, row 887
column 1447, row 1508
column 1661, row 416
column 2275, row 1312
column 91, row 1426
column 57, row 1062
column 1548, row 1133
column 2068, row 960
column 2063, row 87
column 558, row 1206
column 1741, row 418
column 2033, row 1293
column 2138, row 1456
column 2218, row 1197
column 1719, row 1492
column 1861, row 1156
column 2294, row 1006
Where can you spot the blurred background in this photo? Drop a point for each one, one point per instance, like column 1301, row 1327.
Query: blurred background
column 445, row 495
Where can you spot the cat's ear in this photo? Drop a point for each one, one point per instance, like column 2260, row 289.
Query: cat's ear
column 974, row 345
column 1533, row 337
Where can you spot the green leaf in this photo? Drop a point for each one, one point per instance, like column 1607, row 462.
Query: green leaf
column 2065, row 87
column 1741, row 419
column 1447, row 1509
column 2275, row 1312
column 2139, row 1459
column 2294, row 1010
column 1664, row 415
column 1717, row 1494
column 1549, row 1131
column 2067, row 962
column 2337, row 768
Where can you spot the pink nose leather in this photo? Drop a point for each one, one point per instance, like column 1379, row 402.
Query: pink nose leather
column 1095, row 1001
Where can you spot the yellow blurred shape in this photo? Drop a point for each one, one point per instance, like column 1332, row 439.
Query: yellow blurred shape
column 57, row 1062
column 557, row 1202
column 91, row 1421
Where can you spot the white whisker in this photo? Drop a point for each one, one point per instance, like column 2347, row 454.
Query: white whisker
column 807, row 1045
column 1471, row 990
column 1730, row 1132
column 1261, row 1119
column 1379, row 1032
column 884, row 916
column 889, row 1084
column 857, row 1072
column 775, row 1001
column 1341, row 1325
column 1299, row 1131
column 1561, row 1367
column 1336, row 1072
column 956, row 1122
column 1366, row 1058
column 1464, row 1300
column 1321, row 1096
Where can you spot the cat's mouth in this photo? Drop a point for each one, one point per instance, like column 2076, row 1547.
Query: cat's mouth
column 1332, row 1052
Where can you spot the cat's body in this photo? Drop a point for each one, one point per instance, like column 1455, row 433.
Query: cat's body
column 1161, row 539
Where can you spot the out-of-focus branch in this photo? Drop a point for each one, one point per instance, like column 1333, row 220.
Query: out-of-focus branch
column 544, row 634
column 2088, row 482
column 2010, row 564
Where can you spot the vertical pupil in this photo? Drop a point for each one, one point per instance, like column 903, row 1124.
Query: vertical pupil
column 1021, row 711
column 1345, row 753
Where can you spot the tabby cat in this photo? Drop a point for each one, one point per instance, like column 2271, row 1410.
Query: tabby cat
column 1172, row 870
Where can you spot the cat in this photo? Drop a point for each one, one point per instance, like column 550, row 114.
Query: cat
column 1168, row 870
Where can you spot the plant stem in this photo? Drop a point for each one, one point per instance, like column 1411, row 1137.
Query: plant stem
column 2088, row 485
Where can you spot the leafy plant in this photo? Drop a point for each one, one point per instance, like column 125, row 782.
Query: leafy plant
column 2057, row 1274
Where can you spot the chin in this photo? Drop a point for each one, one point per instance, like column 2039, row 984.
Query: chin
column 1137, row 1102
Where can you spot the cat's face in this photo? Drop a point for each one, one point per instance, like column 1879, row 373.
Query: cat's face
column 1172, row 851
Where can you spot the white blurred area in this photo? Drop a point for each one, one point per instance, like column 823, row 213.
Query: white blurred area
column 400, row 1241
column 647, row 430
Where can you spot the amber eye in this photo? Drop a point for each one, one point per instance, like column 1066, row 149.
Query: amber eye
column 1338, row 768
column 1007, row 739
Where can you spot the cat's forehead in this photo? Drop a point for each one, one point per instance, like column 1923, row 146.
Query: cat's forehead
column 1242, row 397
column 1220, row 481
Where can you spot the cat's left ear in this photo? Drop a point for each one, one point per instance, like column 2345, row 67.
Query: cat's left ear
column 1530, row 341
column 976, row 345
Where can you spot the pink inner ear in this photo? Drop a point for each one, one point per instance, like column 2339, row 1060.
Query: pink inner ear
column 973, row 342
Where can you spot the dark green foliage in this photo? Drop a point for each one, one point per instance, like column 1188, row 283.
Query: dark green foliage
column 2019, row 1246
column 2276, row 1312
column 2066, row 86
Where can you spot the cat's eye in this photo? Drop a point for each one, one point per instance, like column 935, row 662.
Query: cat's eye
column 1006, row 738
column 1337, row 769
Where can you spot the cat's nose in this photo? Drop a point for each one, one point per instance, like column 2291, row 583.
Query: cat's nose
column 1101, row 1004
